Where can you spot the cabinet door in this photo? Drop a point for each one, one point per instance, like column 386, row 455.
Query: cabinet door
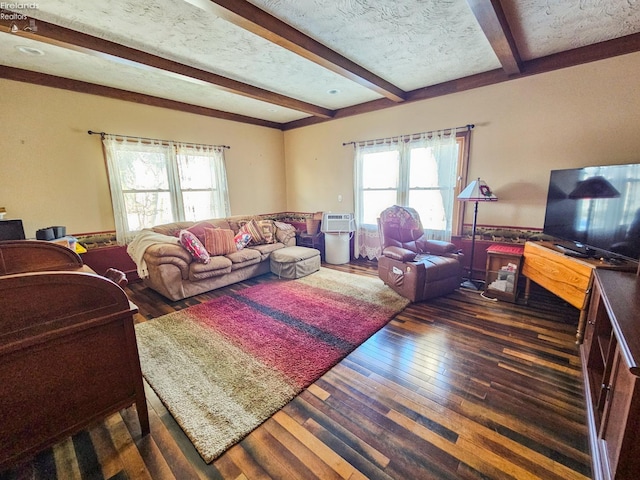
column 615, row 441
column 592, row 317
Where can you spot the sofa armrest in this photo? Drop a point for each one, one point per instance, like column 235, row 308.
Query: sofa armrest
column 399, row 253
column 168, row 250
column 437, row 247
column 169, row 254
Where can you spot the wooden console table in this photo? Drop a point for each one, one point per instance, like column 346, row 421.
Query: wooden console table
column 569, row 278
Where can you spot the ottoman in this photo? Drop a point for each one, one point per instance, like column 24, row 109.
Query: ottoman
column 294, row 262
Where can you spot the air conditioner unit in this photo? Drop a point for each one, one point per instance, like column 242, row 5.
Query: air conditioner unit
column 337, row 222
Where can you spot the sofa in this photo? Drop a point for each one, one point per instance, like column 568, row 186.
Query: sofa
column 170, row 268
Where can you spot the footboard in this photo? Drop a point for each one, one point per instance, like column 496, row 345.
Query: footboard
column 68, row 358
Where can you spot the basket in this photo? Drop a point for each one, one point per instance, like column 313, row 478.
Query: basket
column 312, row 226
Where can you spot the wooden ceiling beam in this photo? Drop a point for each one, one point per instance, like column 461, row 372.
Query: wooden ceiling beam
column 492, row 20
column 36, row 78
column 570, row 58
column 70, row 39
column 261, row 23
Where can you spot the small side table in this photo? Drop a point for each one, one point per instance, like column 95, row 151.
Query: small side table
column 314, row 240
column 503, row 272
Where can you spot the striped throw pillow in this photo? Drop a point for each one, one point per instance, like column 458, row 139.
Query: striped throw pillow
column 252, row 228
column 219, row 241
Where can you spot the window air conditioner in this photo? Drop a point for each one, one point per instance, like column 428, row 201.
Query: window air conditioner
column 337, row 222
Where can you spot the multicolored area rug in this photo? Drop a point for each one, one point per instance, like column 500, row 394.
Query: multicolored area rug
column 225, row 366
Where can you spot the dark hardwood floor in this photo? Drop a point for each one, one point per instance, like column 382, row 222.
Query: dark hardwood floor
column 454, row 388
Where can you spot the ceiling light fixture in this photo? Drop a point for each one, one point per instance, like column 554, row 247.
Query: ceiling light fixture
column 29, row 50
column 333, row 91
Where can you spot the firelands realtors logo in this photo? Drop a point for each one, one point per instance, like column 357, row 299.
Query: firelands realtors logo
column 15, row 15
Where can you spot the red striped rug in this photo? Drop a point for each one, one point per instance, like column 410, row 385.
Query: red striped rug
column 225, row 366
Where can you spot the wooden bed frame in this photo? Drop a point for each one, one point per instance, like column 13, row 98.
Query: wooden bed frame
column 68, row 358
column 19, row 256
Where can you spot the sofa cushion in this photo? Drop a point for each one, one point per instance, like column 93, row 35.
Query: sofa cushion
column 219, row 241
column 191, row 243
column 266, row 248
column 244, row 255
column 218, row 265
column 244, row 258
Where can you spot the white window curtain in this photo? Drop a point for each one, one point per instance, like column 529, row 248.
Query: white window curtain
column 203, row 181
column 373, row 192
column 418, row 171
column 154, row 182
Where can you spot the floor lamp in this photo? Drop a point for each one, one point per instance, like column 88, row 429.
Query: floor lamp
column 476, row 191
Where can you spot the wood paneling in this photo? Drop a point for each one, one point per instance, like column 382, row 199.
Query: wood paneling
column 454, row 388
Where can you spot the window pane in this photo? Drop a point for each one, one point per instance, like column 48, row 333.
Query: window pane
column 423, row 170
column 144, row 210
column 375, row 202
column 429, row 205
column 198, row 205
column 380, row 170
column 195, row 172
column 140, row 170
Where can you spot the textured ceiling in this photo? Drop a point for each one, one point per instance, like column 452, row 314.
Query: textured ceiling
column 286, row 63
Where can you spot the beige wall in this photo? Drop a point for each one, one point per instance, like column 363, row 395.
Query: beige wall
column 52, row 172
column 585, row 115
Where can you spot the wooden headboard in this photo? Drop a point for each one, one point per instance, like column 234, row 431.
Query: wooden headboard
column 68, row 358
column 17, row 256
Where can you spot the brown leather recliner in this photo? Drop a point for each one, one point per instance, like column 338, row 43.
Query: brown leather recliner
column 413, row 266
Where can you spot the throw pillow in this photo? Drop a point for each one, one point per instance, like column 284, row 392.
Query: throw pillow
column 252, row 228
column 268, row 230
column 219, row 241
column 242, row 240
column 284, row 231
column 198, row 230
column 191, row 243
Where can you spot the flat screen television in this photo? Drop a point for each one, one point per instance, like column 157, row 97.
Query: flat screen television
column 595, row 211
column 11, row 230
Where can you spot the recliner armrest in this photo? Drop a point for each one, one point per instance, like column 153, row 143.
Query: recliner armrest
column 399, row 253
column 437, row 247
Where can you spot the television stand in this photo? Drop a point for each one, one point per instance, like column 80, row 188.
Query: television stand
column 566, row 276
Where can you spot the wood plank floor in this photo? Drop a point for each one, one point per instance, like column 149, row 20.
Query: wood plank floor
column 454, row 388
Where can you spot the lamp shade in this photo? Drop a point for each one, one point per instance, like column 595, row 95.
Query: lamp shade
column 477, row 191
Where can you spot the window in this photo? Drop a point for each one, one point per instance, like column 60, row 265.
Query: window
column 421, row 172
column 154, row 182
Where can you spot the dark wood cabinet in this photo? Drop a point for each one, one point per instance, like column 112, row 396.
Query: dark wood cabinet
column 610, row 359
